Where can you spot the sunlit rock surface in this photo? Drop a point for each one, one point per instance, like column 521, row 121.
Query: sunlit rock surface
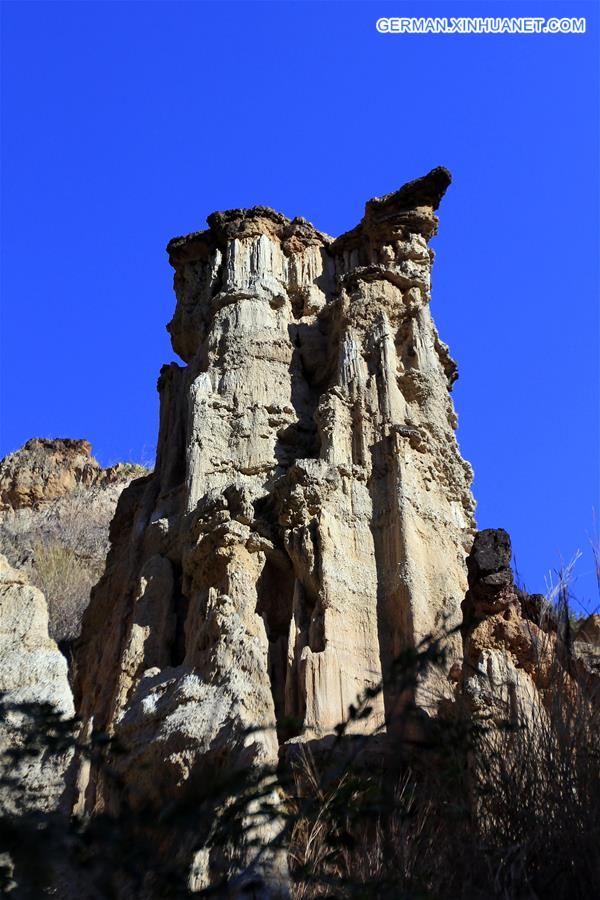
column 310, row 513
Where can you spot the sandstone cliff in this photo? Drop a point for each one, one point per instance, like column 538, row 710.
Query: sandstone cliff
column 309, row 515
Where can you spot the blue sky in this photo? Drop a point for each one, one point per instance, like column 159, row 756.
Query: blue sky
column 124, row 124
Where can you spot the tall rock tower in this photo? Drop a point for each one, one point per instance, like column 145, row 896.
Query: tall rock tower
column 309, row 515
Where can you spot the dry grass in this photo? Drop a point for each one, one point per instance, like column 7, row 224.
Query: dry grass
column 66, row 580
column 63, row 546
column 521, row 820
column 504, row 808
column 69, row 543
column 363, row 837
column 505, row 811
column 538, row 804
column 536, row 780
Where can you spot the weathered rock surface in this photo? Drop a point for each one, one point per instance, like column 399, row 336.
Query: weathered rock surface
column 586, row 648
column 503, row 649
column 589, row 631
column 518, row 650
column 45, row 469
column 56, row 503
column 32, row 671
column 309, row 515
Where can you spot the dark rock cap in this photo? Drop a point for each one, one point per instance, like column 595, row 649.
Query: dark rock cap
column 423, row 194
column 425, row 191
column 491, row 553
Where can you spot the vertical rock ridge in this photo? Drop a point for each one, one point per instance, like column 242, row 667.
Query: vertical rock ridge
column 310, row 513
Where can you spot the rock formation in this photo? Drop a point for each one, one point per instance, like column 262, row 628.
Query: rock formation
column 32, row 671
column 308, row 520
column 504, row 650
column 56, row 503
column 586, row 644
column 309, row 514
column 518, row 648
column 45, row 469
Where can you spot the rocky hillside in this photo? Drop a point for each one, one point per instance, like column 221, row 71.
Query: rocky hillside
column 56, row 504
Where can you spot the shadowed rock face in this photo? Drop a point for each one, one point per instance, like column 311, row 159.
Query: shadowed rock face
column 309, row 515
column 32, row 671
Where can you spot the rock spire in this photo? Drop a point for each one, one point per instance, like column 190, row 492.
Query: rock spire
column 309, row 515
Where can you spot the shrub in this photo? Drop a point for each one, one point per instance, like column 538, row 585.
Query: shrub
column 66, row 580
column 63, row 546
